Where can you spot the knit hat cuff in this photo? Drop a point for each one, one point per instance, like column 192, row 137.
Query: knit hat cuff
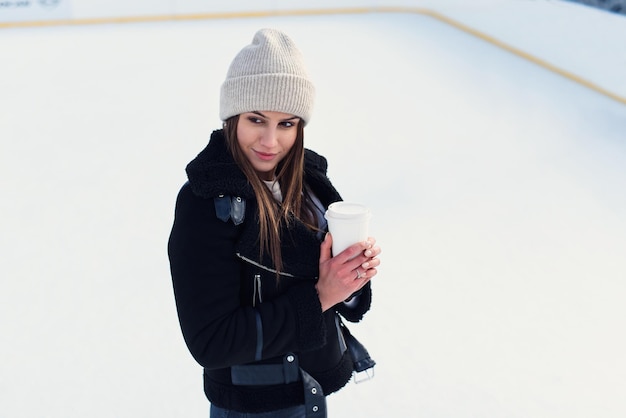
column 286, row 93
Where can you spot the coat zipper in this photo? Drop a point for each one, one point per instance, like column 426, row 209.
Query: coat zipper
column 257, row 290
column 254, row 263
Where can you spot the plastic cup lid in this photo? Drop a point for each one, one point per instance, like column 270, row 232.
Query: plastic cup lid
column 347, row 210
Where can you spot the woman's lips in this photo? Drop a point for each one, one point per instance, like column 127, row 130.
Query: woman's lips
column 265, row 156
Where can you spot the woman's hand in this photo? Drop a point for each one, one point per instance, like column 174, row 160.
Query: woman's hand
column 347, row 272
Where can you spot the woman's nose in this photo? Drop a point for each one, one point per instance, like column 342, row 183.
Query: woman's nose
column 268, row 137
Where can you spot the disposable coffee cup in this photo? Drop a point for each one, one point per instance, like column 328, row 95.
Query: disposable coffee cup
column 348, row 223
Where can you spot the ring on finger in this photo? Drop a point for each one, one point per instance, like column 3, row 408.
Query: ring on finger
column 358, row 273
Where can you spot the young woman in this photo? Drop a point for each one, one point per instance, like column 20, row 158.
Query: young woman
column 257, row 291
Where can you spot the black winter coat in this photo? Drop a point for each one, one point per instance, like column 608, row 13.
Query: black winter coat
column 231, row 308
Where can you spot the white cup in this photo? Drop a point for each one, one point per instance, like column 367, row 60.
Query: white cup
column 348, row 223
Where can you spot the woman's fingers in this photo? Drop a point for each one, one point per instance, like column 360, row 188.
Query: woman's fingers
column 347, row 272
column 370, row 263
column 364, row 260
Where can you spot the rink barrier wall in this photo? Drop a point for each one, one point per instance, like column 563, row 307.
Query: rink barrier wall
column 335, row 11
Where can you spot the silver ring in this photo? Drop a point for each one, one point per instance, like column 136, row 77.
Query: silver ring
column 358, row 273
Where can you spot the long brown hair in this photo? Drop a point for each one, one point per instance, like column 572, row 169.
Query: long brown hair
column 296, row 198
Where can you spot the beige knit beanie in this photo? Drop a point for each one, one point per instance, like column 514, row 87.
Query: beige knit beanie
column 268, row 74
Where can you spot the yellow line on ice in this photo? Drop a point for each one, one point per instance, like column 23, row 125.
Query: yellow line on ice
column 316, row 12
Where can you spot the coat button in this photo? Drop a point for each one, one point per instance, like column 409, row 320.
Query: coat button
column 315, row 408
column 290, row 358
column 313, row 391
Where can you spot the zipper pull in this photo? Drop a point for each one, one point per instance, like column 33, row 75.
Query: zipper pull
column 257, row 290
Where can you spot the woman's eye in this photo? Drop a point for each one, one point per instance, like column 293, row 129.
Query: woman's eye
column 255, row 120
column 287, row 124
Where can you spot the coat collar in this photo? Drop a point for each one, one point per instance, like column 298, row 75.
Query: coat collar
column 214, row 172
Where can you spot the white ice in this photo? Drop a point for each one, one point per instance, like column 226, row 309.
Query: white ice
column 497, row 189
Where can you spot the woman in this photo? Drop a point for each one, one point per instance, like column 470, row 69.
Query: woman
column 257, row 291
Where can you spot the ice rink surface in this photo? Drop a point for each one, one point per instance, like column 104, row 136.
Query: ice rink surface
column 497, row 189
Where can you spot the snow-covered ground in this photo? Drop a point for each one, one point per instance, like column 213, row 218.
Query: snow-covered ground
column 497, row 189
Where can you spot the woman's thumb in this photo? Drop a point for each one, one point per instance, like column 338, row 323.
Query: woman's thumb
column 325, row 248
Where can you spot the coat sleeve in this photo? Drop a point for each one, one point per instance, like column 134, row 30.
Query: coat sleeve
column 363, row 304
column 206, row 274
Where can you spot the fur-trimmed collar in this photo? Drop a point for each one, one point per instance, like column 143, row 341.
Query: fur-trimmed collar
column 214, row 172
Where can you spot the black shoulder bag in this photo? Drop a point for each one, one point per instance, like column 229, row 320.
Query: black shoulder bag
column 362, row 363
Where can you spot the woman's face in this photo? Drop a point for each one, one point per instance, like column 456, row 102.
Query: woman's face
column 265, row 138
